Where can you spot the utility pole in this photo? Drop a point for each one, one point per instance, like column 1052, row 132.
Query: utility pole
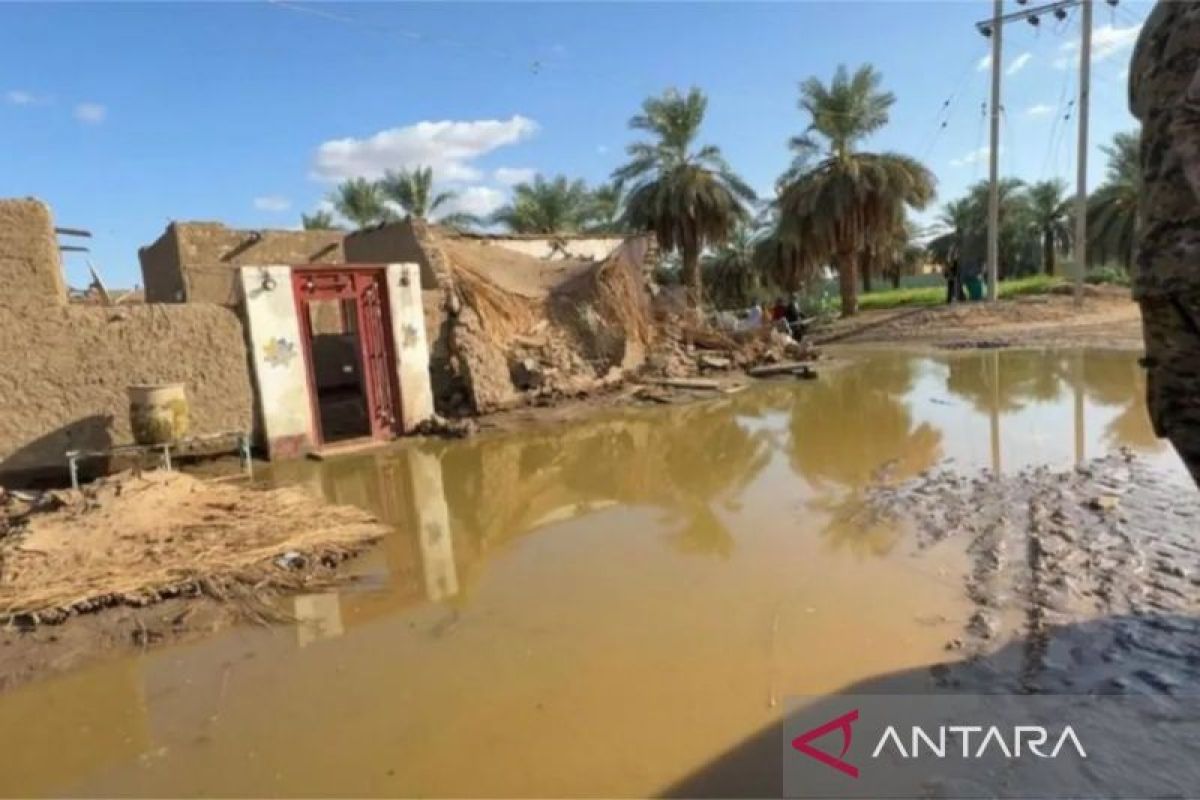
column 993, row 28
column 1085, row 87
column 993, row 237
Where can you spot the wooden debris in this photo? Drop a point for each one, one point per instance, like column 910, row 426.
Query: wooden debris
column 782, row 368
column 706, row 361
column 687, row 383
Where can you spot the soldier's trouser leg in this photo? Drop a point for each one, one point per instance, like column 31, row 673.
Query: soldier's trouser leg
column 1171, row 327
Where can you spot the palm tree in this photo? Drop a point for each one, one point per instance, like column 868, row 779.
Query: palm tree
column 964, row 228
column 958, row 222
column 1017, row 240
column 558, row 205
column 688, row 196
column 605, row 214
column 844, row 203
column 1112, row 208
column 1051, row 217
column 898, row 252
column 361, row 202
column 318, row 221
column 731, row 276
column 780, row 259
column 412, row 190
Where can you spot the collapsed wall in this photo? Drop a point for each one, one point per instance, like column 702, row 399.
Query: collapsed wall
column 521, row 327
column 66, row 369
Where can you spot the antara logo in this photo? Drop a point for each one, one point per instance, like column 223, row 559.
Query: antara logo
column 843, row 723
column 1020, row 739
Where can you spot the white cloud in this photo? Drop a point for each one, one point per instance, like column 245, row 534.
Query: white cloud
column 478, row 200
column 511, row 176
column 272, row 202
column 1039, row 110
column 1107, row 41
column 21, row 98
column 973, row 157
column 448, row 146
column 1018, row 63
column 90, row 113
column 602, row 149
column 984, row 63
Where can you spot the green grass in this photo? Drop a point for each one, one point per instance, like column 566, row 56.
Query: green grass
column 936, row 295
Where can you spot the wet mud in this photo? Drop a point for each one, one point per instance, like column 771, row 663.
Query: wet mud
column 1112, row 540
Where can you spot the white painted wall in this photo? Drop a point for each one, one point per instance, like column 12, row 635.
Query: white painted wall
column 411, row 348
column 276, row 352
column 596, row 249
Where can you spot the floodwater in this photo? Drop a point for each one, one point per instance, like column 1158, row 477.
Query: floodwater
column 597, row 608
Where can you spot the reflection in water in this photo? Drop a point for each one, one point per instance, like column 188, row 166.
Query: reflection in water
column 318, row 616
column 854, row 428
column 648, row 580
column 1010, row 383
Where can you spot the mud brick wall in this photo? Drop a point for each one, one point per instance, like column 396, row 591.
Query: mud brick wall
column 30, row 268
column 394, row 243
column 64, row 371
column 196, row 262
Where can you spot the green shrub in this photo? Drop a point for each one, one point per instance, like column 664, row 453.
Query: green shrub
column 1107, row 276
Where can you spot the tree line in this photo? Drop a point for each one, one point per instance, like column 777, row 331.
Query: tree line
column 836, row 206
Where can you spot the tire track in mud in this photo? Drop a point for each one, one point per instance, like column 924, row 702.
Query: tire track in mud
column 1093, row 573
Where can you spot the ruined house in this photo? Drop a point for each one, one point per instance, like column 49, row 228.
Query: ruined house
column 197, row 262
column 510, row 318
column 310, row 338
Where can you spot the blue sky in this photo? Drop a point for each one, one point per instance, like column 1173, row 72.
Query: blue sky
column 124, row 117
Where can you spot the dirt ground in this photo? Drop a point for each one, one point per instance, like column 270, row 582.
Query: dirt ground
column 1109, row 318
column 136, row 559
column 1110, row 544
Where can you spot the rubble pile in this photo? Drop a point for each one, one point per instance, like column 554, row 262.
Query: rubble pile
column 685, row 349
column 529, row 331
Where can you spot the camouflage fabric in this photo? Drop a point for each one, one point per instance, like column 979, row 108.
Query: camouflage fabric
column 1171, row 326
column 1164, row 93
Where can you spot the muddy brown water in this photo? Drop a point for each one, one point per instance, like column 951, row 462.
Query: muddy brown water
column 597, row 608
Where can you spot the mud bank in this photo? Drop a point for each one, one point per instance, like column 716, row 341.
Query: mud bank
column 1108, row 318
column 1110, row 544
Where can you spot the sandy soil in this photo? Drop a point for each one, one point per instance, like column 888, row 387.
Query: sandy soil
column 1108, row 318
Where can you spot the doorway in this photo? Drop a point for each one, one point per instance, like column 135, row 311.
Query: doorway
column 345, row 324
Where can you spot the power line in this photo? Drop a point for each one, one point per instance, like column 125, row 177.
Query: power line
column 1062, row 110
column 945, row 112
column 994, row 28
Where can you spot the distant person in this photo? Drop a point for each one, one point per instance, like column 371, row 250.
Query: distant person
column 794, row 319
column 754, row 318
column 952, row 272
column 779, row 311
column 1164, row 94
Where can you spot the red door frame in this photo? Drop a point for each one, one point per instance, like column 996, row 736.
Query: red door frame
column 345, row 282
